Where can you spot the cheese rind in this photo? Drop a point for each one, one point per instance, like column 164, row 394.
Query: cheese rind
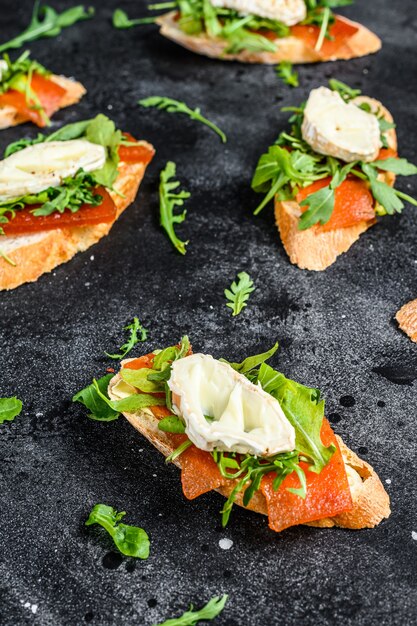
column 335, row 128
column 288, row 12
column 243, row 417
column 44, row 165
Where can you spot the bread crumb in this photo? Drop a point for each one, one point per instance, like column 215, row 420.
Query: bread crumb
column 225, row 544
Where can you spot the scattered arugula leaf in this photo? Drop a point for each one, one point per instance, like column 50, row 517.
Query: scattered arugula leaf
column 239, row 293
column 137, row 334
column 90, row 398
column 176, row 106
column 212, row 609
column 286, row 72
column 168, row 201
column 130, row 540
column 121, row 20
column 46, row 22
column 9, row 409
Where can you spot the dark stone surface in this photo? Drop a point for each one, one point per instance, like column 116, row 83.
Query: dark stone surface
column 336, row 331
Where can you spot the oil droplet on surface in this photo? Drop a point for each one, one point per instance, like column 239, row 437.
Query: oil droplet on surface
column 112, row 560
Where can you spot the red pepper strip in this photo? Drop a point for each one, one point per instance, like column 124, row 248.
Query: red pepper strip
column 328, row 493
column 25, row 222
column 354, row 203
column 140, row 153
column 340, row 31
column 49, row 93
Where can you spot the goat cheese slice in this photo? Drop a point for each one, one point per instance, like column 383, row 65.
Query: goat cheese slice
column 44, row 165
column 289, row 12
column 242, row 417
column 335, row 128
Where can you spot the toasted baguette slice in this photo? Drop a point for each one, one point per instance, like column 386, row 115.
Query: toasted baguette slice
column 39, row 253
column 290, row 49
column 371, row 502
column 407, row 319
column 9, row 116
column 313, row 249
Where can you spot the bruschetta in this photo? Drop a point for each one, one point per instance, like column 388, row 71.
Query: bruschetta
column 261, row 31
column 332, row 174
column 248, row 432
column 61, row 193
column 407, row 319
column 31, row 93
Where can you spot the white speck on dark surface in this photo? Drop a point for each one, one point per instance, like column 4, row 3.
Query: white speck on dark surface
column 225, row 544
column 388, row 481
column 414, row 535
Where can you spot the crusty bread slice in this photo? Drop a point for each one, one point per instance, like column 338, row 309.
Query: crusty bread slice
column 290, row 49
column 407, row 319
column 39, row 253
column 9, row 116
column 370, row 500
column 313, row 249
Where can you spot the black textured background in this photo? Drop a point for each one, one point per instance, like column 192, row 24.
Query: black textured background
column 336, row 329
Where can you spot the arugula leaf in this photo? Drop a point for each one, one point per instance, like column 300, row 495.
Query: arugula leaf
column 176, row 106
column 99, row 408
column 139, row 379
column 212, row 609
column 239, row 293
column 168, row 201
column 71, row 194
column 121, row 20
column 178, row 451
column 286, row 72
column 304, row 410
column 2, row 252
column 346, row 92
column 171, row 424
column 253, row 361
column 321, row 205
column 135, row 329
column 46, row 22
column 402, row 167
column 130, row 540
column 9, row 409
column 130, row 404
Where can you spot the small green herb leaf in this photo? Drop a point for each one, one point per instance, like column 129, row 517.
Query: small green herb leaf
column 212, row 609
column 130, row 540
column 139, row 379
column 402, row 167
column 137, row 334
column 46, row 22
column 176, row 106
column 90, row 398
column 286, row 72
column 9, row 409
column 171, row 424
column 346, row 92
column 168, row 201
column 239, row 293
column 121, row 20
column 253, row 361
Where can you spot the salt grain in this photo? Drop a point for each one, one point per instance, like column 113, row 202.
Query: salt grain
column 388, row 481
column 225, row 544
column 414, row 535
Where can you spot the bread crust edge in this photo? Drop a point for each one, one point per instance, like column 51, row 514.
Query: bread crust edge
column 291, row 49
